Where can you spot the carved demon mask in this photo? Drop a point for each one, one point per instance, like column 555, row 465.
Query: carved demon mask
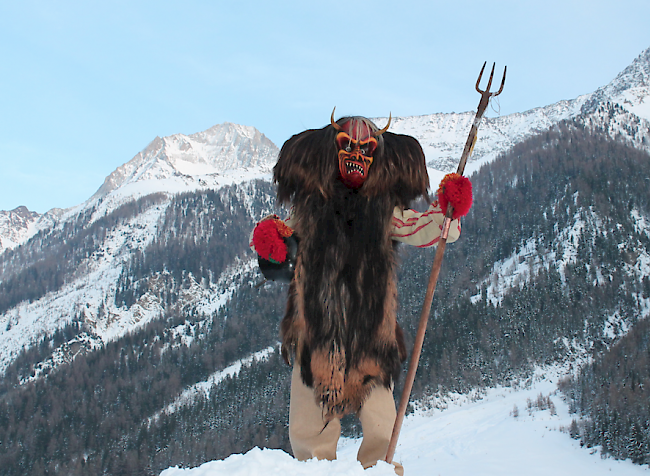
column 356, row 142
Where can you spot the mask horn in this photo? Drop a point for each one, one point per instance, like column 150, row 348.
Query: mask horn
column 380, row 132
column 334, row 124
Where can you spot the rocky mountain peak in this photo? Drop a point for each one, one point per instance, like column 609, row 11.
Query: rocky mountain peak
column 15, row 226
column 23, row 212
column 637, row 74
column 215, row 152
column 630, row 88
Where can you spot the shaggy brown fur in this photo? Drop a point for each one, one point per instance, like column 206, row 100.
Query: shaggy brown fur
column 340, row 321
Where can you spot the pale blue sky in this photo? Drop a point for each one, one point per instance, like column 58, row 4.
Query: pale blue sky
column 86, row 85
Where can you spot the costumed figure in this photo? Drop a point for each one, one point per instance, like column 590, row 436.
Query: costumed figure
column 349, row 185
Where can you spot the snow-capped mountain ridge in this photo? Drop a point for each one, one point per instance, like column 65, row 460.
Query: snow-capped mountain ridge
column 222, row 148
column 443, row 136
column 20, row 224
column 15, row 225
column 222, row 155
column 630, row 89
column 225, row 154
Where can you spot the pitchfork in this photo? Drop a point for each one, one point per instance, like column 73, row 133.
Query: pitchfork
column 437, row 262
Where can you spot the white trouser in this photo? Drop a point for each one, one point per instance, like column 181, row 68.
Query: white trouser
column 311, row 438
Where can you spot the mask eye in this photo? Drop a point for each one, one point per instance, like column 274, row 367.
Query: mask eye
column 363, row 151
column 343, row 140
column 368, row 148
column 348, row 148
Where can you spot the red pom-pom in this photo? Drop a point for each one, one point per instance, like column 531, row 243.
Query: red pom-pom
column 268, row 242
column 457, row 190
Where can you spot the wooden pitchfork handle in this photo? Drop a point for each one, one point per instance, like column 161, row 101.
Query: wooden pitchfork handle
column 437, row 264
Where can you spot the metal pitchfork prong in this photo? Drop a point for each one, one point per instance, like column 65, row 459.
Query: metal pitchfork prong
column 486, row 95
column 487, row 90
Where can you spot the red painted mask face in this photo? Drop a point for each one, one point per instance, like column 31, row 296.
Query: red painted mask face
column 356, row 144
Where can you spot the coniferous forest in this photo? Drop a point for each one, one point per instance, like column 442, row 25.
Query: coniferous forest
column 561, row 205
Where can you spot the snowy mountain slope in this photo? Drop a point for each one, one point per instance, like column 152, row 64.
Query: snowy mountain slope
column 503, row 432
column 619, row 123
column 90, row 293
column 532, row 256
column 582, row 227
column 622, row 107
column 83, row 296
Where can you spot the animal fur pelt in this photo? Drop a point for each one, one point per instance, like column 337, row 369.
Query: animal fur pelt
column 340, row 321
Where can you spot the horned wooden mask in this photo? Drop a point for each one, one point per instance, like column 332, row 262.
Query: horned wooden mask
column 356, row 142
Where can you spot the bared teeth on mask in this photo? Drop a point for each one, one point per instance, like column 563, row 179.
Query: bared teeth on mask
column 353, row 167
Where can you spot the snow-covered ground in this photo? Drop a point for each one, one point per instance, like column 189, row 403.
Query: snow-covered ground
column 463, row 437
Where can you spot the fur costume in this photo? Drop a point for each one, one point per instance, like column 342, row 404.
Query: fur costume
column 340, row 321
